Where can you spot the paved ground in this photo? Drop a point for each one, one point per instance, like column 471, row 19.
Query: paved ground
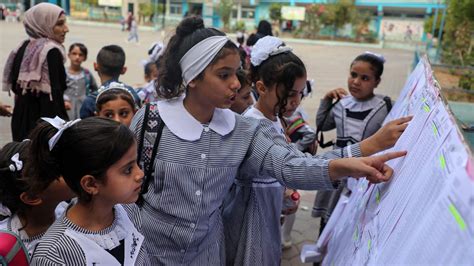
column 327, row 64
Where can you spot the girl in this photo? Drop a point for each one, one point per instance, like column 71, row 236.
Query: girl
column 35, row 70
column 116, row 102
column 203, row 146
column 355, row 117
column 80, row 81
column 95, row 229
column 28, row 203
column 243, row 98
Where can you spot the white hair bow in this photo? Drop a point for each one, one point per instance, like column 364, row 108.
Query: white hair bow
column 266, row 47
column 61, row 125
column 5, row 211
column 17, row 164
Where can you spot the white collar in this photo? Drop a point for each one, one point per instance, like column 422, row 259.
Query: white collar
column 351, row 103
column 185, row 126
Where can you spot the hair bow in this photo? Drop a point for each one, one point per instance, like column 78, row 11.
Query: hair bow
column 17, row 164
column 61, row 125
column 266, row 47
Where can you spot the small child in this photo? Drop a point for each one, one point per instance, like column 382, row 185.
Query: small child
column 116, row 103
column 80, row 82
column 95, row 229
column 243, row 99
column 147, row 93
column 356, row 117
column 110, row 64
column 28, row 204
column 133, row 30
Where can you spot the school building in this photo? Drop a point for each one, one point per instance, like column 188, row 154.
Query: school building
column 391, row 19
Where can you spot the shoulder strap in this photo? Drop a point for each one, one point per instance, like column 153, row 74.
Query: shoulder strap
column 87, row 76
column 153, row 125
column 319, row 132
column 388, row 103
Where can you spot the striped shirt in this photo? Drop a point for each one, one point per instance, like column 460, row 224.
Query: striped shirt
column 58, row 247
column 181, row 216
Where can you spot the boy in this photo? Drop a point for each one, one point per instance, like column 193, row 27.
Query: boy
column 110, row 64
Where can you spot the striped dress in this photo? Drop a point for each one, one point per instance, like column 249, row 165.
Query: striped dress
column 194, row 169
column 65, row 243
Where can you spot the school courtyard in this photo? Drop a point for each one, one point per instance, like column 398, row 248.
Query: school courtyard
column 326, row 62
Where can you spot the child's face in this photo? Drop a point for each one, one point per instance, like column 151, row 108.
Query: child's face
column 218, row 88
column 362, row 81
column 118, row 110
column 123, row 179
column 153, row 75
column 243, row 100
column 76, row 56
column 295, row 96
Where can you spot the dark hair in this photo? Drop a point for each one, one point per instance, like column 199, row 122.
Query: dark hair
column 149, row 68
column 264, row 28
column 89, row 147
column 110, row 60
column 244, row 78
column 114, row 94
column 375, row 62
column 281, row 69
column 11, row 182
column 189, row 32
column 81, row 47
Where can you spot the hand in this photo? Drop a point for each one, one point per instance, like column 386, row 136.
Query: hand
column 5, row 110
column 335, row 94
column 373, row 168
column 313, row 147
column 385, row 137
column 67, row 105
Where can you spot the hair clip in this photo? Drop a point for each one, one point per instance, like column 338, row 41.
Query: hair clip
column 17, row 164
column 116, row 86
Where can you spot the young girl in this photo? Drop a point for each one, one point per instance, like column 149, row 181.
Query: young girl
column 95, row 229
column 243, row 99
column 28, row 203
column 116, row 102
column 80, row 81
column 203, row 146
column 355, row 117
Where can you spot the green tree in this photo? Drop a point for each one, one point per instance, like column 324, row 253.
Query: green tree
column 338, row 14
column 225, row 11
column 275, row 12
column 459, row 33
column 312, row 24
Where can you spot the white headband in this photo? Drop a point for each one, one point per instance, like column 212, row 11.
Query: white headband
column 61, row 125
column 266, row 47
column 200, row 56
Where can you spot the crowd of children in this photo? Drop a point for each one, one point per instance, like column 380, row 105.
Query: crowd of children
column 200, row 174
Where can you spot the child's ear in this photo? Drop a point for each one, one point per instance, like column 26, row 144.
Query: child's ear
column 90, row 184
column 96, row 67
column 30, row 200
column 124, row 69
column 192, row 84
column 260, row 87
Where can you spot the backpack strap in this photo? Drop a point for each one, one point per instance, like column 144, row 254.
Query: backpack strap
column 319, row 132
column 388, row 103
column 150, row 135
column 12, row 250
column 87, row 76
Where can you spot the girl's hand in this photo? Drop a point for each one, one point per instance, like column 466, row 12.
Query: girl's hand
column 67, row 105
column 335, row 94
column 385, row 137
column 373, row 168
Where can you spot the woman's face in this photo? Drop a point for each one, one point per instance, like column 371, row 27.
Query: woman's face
column 60, row 29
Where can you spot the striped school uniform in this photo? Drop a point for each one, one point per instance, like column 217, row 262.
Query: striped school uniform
column 68, row 244
column 194, row 169
column 252, row 211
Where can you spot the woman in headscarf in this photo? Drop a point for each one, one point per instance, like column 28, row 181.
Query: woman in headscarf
column 34, row 71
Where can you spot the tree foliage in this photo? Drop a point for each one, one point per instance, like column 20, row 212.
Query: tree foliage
column 459, row 33
column 225, row 11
